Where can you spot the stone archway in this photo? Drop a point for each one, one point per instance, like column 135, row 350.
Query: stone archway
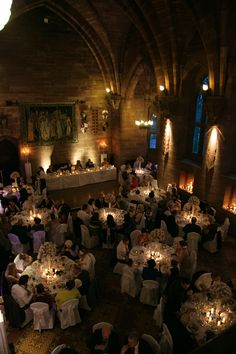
column 9, row 159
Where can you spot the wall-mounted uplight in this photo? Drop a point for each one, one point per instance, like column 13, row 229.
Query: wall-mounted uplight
column 205, row 87
column 108, row 90
column 5, row 12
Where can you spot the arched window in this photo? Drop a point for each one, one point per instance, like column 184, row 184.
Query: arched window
column 199, row 122
column 153, row 133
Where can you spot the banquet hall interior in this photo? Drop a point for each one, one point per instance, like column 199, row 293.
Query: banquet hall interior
column 117, row 176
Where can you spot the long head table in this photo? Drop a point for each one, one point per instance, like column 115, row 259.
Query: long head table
column 81, row 178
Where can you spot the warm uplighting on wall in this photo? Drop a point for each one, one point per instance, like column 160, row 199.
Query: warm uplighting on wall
column 144, row 123
column 103, row 144
column 186, row 181
column 25, row 151
column 212, row 147
column 229, row 202
column 167, row 137
column 5, row 12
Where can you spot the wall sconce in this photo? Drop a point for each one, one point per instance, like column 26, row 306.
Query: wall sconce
column 163, row 90
column 205, row 87
column 113, row 99
column 108, row 90
column 144, row 123
column 5, row 12
column 26, row 152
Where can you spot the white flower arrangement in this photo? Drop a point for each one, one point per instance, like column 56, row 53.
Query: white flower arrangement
column 220, row 290
column 194, row 200
column 157, row 235
column 47, row 250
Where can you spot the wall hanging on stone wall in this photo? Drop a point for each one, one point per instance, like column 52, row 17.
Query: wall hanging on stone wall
column 44, row 124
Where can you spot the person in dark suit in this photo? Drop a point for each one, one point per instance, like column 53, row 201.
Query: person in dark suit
column 100, row 201
column 104, row 340
column 136, row 345
column 192, row 227
column 150, row 272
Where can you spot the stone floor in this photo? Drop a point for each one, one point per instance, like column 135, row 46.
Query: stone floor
column 122, row 311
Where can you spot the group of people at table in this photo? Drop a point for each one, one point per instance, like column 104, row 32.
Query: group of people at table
column 143, row 214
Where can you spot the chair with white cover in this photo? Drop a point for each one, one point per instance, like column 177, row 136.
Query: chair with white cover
column 193, row 239
column 43, row 317
column 211, row 246
column 91, row 269
column 176, row 240
column 188, row 273
column 119, row 267
column 134, row 237
column 38, row 240
column 158, row 314
column 203, row 282
column 154, row 345
column 69, row 313
column 128, row 283
column 100, row 325
column 59, row 236
column 225, row 229
column 166, row 341
column 150, row 292
column 87, row 240
column 58, row 349
column 168, row 237
column 154, row 183
column 17, row 246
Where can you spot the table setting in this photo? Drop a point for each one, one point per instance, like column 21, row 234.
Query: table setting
column 27, row 216
column 118, row 215
column 144, row 192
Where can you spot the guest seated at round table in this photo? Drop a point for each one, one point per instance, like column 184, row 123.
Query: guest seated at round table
column 78, row 165
column 135, row 344
column 12, row 208
column 22, row 260
column 84, row 215
column 89, row 164
column 110, row 232
column 11, row 273
column 105, row 163
column 192, row 227
column 70, row 250
column 133, row 180
column 50, row 169
column 104, row 340
column 151, row 272
column 122, row 251
column 42, row 295
column 21, row 231
column 91, row 206
column 100, row 201
column 70, row 292
column 47, row 202
column 20, row 292
column 37, row 226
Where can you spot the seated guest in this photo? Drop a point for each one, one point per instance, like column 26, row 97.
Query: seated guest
column 89, row 164
column 133, row 180
column 95, row 226
column 149, row 166
column 209, row 232
column 151, row 198
column 91, row 206
column 78, row 165
column 42, row 295
column 76, row 223
column 28, row 204
column 143, row 238
column 150, row 272
column 137, row 198
column 21, row 231
column 20, row 292
column 22, row 260
column 192, row 227
column 174, row 273
column 171, row 224
column 63, row 207
column 105, row 163
column 50, row 169
column 100, row 201
column 70, row 250
column 23, row 195
column 47, row 202
column 177, row 294
column 70, row 292
column 83, row 215
column 12, row 208
column 129, row 225
column 5, row 249
column 135, row 344
column 104, row 340
column 37, row 226
column 11, row 273
column 149, row 223
column 83, row 276
column 52, row 227
column 122, row 251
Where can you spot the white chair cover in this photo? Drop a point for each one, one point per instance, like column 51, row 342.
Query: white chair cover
column 70, row 224
column 158, row 314
column 58, row 349
column 168, row 237
column 87, row 240
column 118, row 269
column 38, row 240
column 134, row 237
column 91, row 269
column 176, row 240
column 69, row 314
column 128, row 284
column 99, row 325
column 225, row 229
column 141, row 224
column 203, row 282
column 17, row 246
column 154, row 183
column 193, row 239
column 150, row 292
column 43, row 318
column 59, row 237
column 192, row 264
column 152, row 342
column 166, row 341
column 211, row 246
column 83, row 303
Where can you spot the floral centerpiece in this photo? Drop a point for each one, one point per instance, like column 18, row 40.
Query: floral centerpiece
column 46, row 251
column 110, row 199
column 220, row 290
column 157, row 235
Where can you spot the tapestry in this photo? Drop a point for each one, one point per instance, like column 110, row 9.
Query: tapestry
column 44, row 124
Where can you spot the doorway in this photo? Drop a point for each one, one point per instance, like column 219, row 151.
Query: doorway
column 9, row 160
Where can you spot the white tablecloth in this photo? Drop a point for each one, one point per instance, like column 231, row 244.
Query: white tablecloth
column 80, row 179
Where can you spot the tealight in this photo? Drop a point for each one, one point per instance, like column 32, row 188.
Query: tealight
column 218, row 323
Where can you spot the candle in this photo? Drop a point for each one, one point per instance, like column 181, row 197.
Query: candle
column 158, row 254
column 223, row 320
column 210, row 319
column 212, row 310
column 208, row 314
column 218, row 323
